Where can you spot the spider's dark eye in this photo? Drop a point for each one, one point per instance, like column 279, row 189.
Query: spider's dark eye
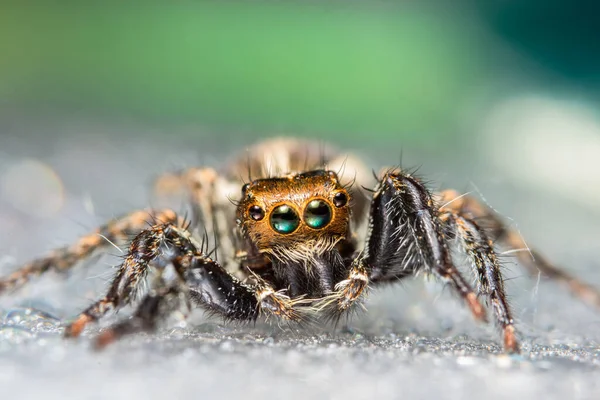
column 340, row 199
column 256, row 213
column 317, row 214
column 284, row 219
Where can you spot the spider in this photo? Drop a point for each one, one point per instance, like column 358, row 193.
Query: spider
column 289, row 245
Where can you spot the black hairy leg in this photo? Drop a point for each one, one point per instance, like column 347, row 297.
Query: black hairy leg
column 533, row 261
column 407, row 236
column 65, row 258
column 480, row 250
column 206, row 283
column 202, row 282
column 347, row 291
column 151, row 309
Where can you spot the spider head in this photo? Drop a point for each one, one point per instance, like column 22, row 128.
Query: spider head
column 295, row 215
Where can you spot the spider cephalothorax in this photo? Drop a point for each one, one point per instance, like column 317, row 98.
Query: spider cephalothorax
column 304, row 213
column 294, row 244
column 296, row 222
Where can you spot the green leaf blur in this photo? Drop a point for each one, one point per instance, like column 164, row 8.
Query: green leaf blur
column 270, row 66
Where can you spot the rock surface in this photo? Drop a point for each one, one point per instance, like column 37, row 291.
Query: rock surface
column 416, row 341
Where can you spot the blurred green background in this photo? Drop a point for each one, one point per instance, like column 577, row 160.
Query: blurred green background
column 397, row 72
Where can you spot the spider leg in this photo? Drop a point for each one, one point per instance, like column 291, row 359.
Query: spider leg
column 205, row 282
column 201, row 281
column 158, row 245
column 405, row 236
column 347, row 292
column 353, row 287
column 152, row 307
column 480, row 249
column 65, row 258
column 195, row 184
column 531, row 259
column 207, row 194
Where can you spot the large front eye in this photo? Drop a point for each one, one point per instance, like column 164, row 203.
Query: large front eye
column 317, row 214
column 284, row 219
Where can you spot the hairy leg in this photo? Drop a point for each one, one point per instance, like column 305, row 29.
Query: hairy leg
column 195, row 184
column 202, row 279
column 480, row 250
column 533, row 261
column 209, row 197
column 347, row 292
column 65, row 258
column 151, row 309
column 201, row 282
column 406, row 237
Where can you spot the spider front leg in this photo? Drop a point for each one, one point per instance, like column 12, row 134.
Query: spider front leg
column 350, row 290
column 65, row 258
column 406, row 236
column 202, row 279
column 204, row 283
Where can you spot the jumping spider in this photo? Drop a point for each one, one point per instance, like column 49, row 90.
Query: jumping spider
column 289, row 245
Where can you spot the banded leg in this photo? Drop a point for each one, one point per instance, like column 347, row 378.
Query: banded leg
column 480, row 249
column 203, row 279
column 203, row 283
column 159, row 245
column 210, row 206
column 406, row 236
column 352, row 288
column 195, row 184
column 347, row 292
column 65, row 258
column 532, row 260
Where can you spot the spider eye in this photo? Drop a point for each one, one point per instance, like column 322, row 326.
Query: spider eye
column 340, row 199
column 245, row 188
column 317, row 214
column 284, row 219
column 256, row 213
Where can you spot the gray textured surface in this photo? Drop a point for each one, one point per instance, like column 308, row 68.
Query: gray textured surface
column 413, row 343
